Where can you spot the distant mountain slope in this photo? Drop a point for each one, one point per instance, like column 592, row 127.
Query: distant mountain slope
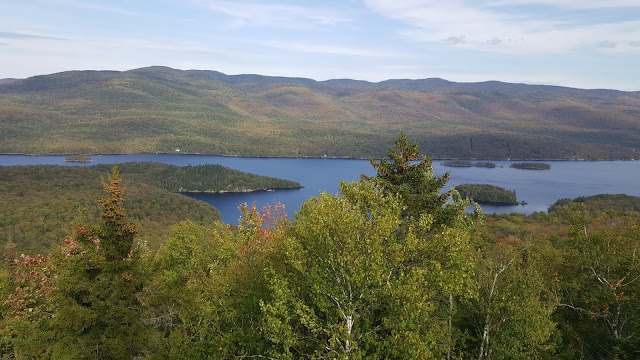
column 159, row 109
column 7, row 81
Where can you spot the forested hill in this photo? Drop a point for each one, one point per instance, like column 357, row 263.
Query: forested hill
column 201, row 178
column 39, row 203
column 159, row 109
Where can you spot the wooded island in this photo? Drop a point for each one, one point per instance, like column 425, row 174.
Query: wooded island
column 467, row 163
column 531, row 166
column 484, row 193
column 78, row 158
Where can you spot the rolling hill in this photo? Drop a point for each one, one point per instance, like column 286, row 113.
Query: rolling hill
column 159, row 109
column 39, row 202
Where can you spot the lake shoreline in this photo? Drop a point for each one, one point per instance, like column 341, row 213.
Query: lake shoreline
column 237, row 191
column 308, row 157
column 540, row 189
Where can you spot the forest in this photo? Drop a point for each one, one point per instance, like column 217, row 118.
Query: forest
column 392, row 267
column 164, row 110
column 39, row 203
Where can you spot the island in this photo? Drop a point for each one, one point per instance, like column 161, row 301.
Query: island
column 467, row 163
column 530, row 166
column 484, row 193
column 78, row 158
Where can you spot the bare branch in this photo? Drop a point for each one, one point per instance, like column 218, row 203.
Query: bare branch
column 582, row 310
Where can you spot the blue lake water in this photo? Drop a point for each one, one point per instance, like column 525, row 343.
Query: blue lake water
column 539, row 188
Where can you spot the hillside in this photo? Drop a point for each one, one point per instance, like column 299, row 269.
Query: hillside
column 39, row 203
column 201, row 178
column 159, row 109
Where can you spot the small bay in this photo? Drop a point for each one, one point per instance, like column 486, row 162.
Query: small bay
column 538, row 188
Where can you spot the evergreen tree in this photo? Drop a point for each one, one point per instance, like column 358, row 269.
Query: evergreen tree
column 418, row 187
column 99, row 278
column 436, row 217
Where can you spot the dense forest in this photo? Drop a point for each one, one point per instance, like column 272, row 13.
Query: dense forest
column 201, row 178
column 159, row 109
column 39, row 203
column 391, row 268
column 487, row 193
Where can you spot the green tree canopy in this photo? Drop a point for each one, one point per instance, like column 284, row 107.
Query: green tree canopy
column 419, row 189
column 99, row 278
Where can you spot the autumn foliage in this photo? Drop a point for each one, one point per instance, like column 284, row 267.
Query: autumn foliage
column 391, row 267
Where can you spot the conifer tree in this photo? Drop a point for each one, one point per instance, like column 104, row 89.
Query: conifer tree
column 99, row 277
column 417, row 186
column 435, row 216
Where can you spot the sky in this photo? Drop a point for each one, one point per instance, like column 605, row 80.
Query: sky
column 576, row 43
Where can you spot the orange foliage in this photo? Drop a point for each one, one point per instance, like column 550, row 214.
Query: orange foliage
column 261, row 227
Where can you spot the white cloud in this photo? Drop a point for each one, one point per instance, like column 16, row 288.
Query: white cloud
column 102, row 8
column 244, row 14
column 101, row 53
column 26, row 36
column 472, row 26
column 331, row 49
column 569, row 4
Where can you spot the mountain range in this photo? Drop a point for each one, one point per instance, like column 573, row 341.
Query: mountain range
column 159, row 109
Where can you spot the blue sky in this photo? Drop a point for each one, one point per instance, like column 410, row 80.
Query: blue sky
column 577, row 43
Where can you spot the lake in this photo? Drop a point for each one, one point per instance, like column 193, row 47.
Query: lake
column 539, row 188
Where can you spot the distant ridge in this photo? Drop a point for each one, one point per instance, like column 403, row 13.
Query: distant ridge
column 7, row 81
column 160, row 109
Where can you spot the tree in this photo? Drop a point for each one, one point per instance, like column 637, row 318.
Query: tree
column 372, row 273
column 511, row 317
column 100, row 275
column 340, row 287
column 435, row 216
column 417, row 186
column 598, row 287
column 187, row 297
column 208, row 281
column 25, row 327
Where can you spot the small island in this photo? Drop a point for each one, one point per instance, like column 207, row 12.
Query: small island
column 467, row 163
column 484, row 193
column 530, row 166
column 78, row 158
